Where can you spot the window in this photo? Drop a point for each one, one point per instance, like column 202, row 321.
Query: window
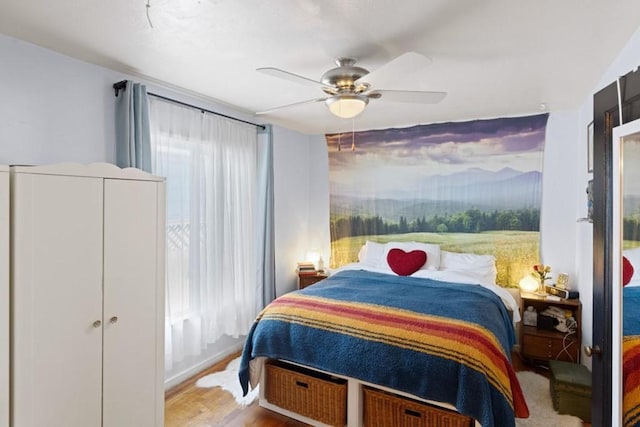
column 211, row 168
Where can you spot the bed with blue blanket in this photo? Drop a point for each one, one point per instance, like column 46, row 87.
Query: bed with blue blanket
column 441, row 341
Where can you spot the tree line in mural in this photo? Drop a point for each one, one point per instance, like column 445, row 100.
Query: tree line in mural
column 470, row 221
column 631, row 228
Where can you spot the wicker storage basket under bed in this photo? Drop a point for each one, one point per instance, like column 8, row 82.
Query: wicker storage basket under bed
column 309, row 393
column 382, row 409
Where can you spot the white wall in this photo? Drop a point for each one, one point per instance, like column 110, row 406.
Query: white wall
column 301, row 174
column 53, row 108
column 558, row 218
column 291, row 204
column 319, row 232
column 566, row 237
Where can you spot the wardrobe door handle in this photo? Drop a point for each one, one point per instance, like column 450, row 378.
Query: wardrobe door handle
column 97, row 324
column 114, row 319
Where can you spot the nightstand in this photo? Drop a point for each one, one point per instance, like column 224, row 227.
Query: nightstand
column 543, row 344
column 305, row 280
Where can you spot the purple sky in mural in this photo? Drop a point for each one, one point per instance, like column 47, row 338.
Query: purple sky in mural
column 527, row 128
column 396, row 162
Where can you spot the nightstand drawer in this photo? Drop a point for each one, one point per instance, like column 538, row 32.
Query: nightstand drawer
column 305, row 280
column 544, row 348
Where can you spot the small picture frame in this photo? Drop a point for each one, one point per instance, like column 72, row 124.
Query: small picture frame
column 590, row 147
column 562, row 281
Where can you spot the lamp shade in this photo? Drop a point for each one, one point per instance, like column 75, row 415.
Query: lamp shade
column 313, row 256
column 529, row 284
column 347, row 106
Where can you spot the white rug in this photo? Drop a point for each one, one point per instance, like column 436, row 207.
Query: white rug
column 541, row 413
column 228, row 380
column 534, row 386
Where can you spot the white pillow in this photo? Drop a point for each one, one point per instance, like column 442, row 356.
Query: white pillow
column 371, row 254
column 633, row 255
column 432, row 251
column 362, row 253
column 483, row 266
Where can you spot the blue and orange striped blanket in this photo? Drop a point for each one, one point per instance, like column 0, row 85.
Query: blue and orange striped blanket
column 441, row 341
column 631, row 357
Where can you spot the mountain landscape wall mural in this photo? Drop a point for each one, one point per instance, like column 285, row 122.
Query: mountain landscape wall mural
column 469, row 186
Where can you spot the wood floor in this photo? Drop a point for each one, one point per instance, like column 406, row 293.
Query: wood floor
column 189, row 406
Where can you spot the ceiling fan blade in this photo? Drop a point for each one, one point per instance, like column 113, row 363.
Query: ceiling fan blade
column 295, row 104
column 286, row 75
column 413, row 96
column 405, row 64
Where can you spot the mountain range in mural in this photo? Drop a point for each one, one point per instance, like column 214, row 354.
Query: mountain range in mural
column 475, row 188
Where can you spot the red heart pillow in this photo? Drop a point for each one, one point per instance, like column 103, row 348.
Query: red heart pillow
column 627, row 271
column 406, row 263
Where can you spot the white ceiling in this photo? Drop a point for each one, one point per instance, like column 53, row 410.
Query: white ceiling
column 493, row 57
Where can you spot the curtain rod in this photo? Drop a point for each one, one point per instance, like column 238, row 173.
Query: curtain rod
column 122, row 85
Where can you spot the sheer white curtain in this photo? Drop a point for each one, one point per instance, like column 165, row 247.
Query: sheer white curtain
column 210, row 166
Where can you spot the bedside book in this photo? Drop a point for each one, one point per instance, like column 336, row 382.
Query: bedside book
column 307, row 272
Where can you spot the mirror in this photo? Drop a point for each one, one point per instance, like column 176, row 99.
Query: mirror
column 626, row 273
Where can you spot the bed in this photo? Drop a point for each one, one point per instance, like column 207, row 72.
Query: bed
column 441, row 334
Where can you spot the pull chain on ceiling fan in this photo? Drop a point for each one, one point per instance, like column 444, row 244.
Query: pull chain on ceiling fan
column 349, row 93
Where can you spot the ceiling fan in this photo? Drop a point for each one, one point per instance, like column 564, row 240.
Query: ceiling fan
column 349, row 88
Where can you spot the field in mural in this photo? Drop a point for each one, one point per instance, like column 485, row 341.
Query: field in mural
column 468, row 186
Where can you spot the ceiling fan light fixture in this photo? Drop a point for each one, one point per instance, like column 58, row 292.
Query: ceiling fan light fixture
column 347, row 106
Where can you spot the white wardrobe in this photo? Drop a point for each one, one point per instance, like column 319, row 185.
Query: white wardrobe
column 87, row 297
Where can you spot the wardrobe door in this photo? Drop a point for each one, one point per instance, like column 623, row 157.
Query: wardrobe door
column 4, row 296
column 133, row 308
column 56, row 300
